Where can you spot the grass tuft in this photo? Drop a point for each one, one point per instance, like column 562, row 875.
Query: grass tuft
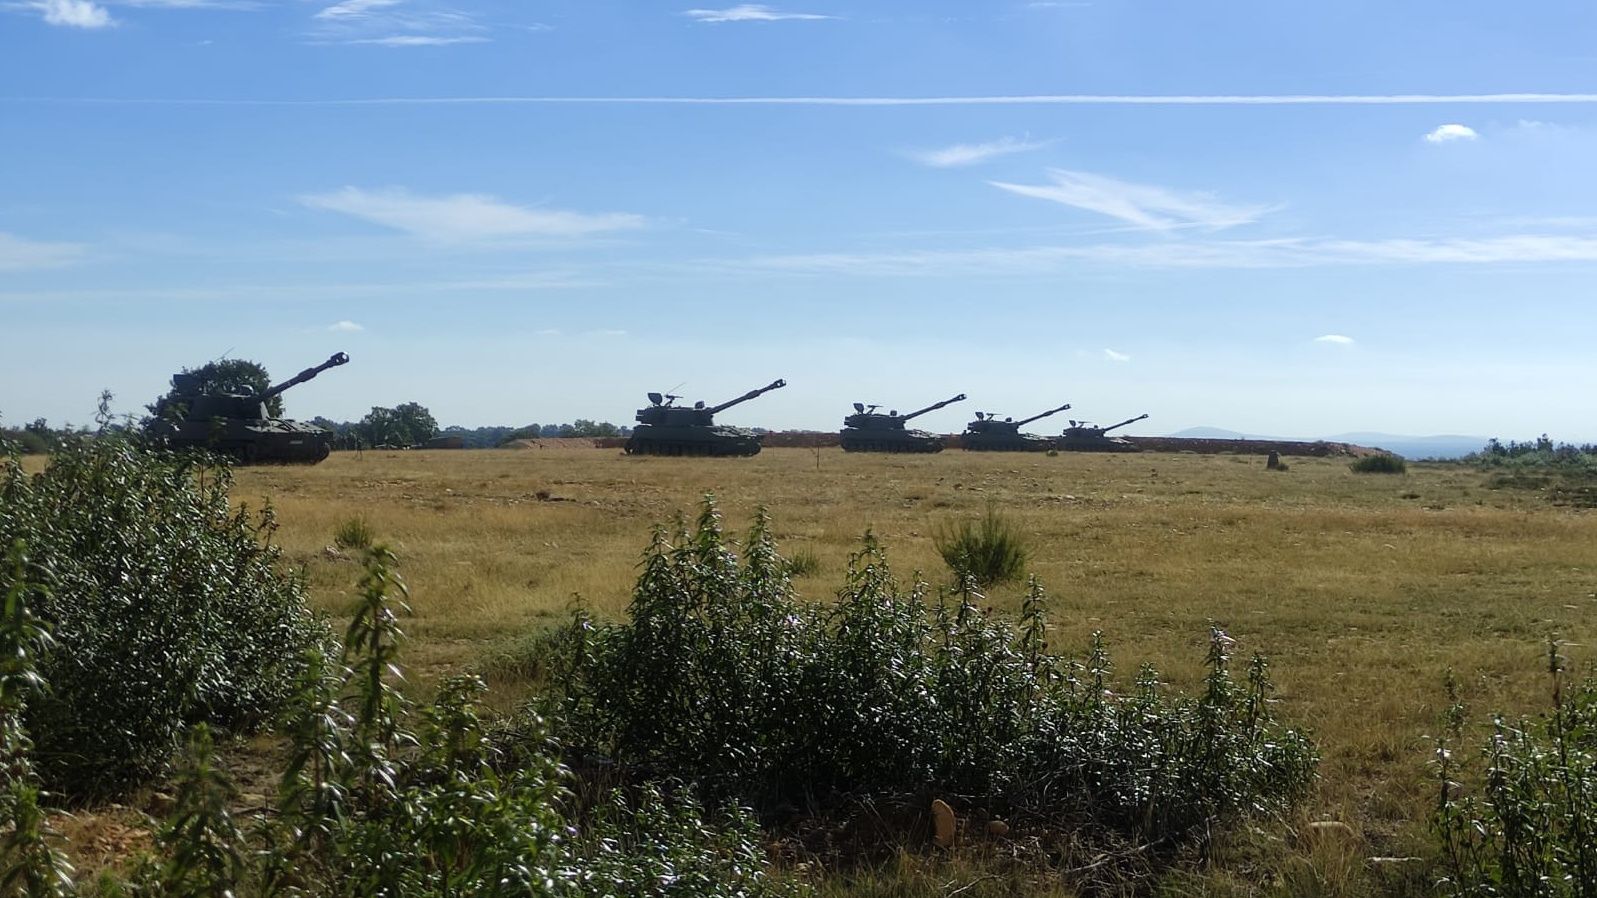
column 354, row 533
column 986, row 552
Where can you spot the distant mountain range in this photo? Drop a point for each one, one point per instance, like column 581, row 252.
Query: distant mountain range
column 1442, row 446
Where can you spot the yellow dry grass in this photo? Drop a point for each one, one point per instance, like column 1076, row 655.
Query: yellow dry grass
column 1363, row 589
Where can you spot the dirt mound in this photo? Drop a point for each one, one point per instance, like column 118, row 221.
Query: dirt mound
column 566, row 443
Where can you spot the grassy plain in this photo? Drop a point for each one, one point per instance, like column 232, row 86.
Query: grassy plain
column 1364, row 590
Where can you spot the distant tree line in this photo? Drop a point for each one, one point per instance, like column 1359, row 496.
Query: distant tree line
column 1540, row 451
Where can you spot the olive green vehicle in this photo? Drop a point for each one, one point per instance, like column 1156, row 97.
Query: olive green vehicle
column 988, row 434
column 237, row 424
column 1083, row 437
column 665, row 428
column 869, row 431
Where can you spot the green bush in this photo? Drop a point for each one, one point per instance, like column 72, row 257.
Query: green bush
column 379, row 798
column 355, row 533
column 1519, row 818
column 1379, row 464
column 168, row 607
column 985, row 552
column 722, row 677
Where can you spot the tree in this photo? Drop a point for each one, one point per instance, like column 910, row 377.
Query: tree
column 404, row 425
column 225, row 376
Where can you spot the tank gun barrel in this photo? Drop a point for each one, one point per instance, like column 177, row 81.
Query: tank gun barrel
column 934, row 407
column 333, row 361
column 1052, row 411
column 773, row 385
column 1125, row 422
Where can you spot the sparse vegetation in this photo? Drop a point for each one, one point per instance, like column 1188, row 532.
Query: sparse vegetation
column 985, row 551
column 1362, row 597
column 1379, row 464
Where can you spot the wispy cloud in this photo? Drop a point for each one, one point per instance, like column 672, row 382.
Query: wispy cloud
column 1335, row 339
column 971, row 153
column 1183, row 254
column 19, row 254
column 71, row 13
column 345, row 327
column 464, row 217
column 1450, row 133
column 355, row 9
column 395, row 23
column 188, row 4
column 1113, row 356
column 749, row 12
column 1009, row 100
column 1143, row 205
column 418, row 40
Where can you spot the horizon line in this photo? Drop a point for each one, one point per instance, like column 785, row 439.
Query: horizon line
column 996, row 100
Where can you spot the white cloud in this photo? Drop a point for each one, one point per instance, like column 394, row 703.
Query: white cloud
column 1144, row 205
column 395, row 23
column 345, row 327
column 354, row 9
column 73, row 13
column 418, row 40
column 971, row 153
column 607, row 333
column 549, row 332
column 464, row 216
column 749, row 12
column 969, row 100
column 1183, row 254
column 1337, row 339
column 1450, row 133
column 1113, row 356
column 18, row 254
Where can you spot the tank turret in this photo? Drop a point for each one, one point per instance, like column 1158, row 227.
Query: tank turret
column 665, row 428
column 1083, row 437
column 238, row 424
column 988, row 433
column 868, row 430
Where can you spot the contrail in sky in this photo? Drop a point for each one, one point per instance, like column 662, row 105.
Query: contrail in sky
column 1017, row 100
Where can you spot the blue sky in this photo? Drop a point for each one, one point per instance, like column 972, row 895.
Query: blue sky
column 1277, row 218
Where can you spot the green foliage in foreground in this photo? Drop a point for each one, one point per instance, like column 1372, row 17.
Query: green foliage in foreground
column 1520, row 817
column 722, row 677
column 379, row 798
column 1379, row 464
column 166, row 604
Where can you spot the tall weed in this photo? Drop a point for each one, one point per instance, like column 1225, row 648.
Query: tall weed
column 1519, row 818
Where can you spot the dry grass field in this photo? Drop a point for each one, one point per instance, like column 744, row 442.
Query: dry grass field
column 1362, row 589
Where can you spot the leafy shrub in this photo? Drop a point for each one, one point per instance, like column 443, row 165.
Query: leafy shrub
column 985, row 552
column 1526, row 825
column 168, row 607
column 723, row 678
column 379, row 798
column 1379, row 464
column 355, row 533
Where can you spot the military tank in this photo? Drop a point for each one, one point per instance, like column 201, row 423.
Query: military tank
column 665, row 428
column 1083, row 437
column 870, row 431
column 238, row 425
column 988, row 434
